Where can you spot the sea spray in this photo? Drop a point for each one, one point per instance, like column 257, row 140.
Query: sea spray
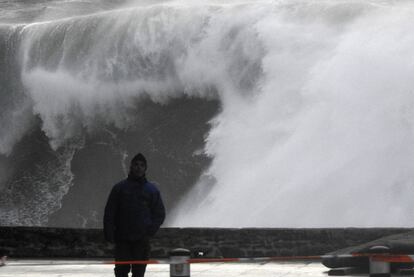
column 315, row 123
column 326, row 142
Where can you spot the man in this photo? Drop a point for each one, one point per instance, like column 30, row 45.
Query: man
column 133, row 213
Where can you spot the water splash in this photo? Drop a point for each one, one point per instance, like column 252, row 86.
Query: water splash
column 38, row 192
column 327, row 140
column 316, row 101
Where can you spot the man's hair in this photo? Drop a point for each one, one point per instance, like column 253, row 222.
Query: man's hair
column 139, row 157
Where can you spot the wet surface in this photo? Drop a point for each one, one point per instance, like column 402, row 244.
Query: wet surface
column 72, row 268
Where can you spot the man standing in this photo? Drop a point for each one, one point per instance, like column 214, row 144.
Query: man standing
column 133, row 213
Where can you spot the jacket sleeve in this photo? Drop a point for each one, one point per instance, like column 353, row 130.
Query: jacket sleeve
column 111, row 210
column 157, row 214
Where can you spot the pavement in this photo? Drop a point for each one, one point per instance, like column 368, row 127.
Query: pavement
column 82, row 268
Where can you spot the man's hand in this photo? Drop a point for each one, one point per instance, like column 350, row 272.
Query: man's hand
column 3, row 260
column 109, row 236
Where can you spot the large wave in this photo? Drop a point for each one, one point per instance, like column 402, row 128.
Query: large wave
column 326, row 139
column 315, row 121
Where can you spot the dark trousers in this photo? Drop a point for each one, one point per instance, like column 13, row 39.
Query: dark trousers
column 131, row 251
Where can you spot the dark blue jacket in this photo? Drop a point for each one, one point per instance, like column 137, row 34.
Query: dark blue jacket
column 134, row 211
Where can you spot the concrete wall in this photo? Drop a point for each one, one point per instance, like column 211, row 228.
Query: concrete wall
column 89, row 243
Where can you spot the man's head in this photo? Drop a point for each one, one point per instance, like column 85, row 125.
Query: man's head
column 138, row 165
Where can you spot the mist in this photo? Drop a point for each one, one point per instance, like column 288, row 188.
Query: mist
column 311, row 126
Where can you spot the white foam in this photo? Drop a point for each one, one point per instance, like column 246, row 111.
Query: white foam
column 316, row 124
column 327, row 140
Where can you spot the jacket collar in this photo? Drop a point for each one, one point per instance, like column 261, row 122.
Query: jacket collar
column 140, row 180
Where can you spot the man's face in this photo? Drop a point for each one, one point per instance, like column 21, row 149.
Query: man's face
column 138, row 168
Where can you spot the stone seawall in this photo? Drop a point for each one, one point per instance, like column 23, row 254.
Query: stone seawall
column 36, row 242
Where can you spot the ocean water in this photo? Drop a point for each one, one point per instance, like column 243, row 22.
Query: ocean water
column 286, row 113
